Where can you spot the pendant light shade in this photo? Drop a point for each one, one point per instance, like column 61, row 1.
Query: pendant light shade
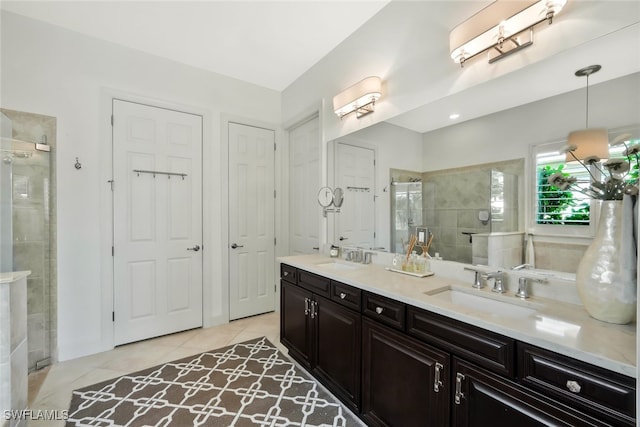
column 590, row 144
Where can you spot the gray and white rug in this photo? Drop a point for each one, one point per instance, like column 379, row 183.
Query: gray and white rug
column 246, row 384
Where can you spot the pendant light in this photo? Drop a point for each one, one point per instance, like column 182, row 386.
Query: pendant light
column 590, row 143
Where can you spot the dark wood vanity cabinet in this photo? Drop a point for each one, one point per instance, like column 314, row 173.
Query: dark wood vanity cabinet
column 482, row 398
column 596, row 391
column 398, row 365
column 404, row 381
column 296, row 326
column 324, row 336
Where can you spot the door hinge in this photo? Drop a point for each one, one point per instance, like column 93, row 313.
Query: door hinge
column 274, row 194
column 111, row 184
column 274, row 241
column 274, row 146
column 113, row 316
column 113, row 251
column 275, row 288
column 112, row 120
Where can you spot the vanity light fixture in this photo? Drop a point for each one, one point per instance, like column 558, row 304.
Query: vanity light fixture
column 502, row 28
column 589, row 143
column 360, row 98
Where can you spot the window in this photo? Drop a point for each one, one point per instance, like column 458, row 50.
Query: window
column 555, row 206
column 568, row 211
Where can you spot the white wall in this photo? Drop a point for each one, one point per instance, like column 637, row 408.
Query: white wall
column 509, row 134
column 51, row 71
column 391, row 45
column 395, row 148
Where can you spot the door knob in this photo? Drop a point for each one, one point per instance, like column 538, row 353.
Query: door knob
column 196, row 248
column 343, row 238
column 235, row 245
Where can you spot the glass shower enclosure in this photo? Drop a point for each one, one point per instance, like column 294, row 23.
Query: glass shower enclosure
column 26, row 226
column 406, row 213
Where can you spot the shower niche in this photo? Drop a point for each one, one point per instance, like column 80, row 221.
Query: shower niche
column 27, row 221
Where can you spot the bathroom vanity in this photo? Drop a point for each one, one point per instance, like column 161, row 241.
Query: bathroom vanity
column 407, row 351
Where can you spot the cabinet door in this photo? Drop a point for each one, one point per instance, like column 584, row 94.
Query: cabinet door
column 405, row 382
column 482, row 398
column 295, row 322
column 337, row 362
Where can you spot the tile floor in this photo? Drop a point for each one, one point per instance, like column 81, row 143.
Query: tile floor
column 51, row 390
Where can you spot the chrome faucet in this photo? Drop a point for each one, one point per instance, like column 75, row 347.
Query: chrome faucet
column 357, row 255
column 498, row 281
column 367, row 257
column 522, row 267
column 478, row 280
column 523, row 289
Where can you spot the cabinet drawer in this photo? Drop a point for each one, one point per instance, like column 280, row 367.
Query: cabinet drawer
column 577, row 383
column 487, row 349
column 288, row 273
column 384, row 310
column 314, row 283
column 346, row 295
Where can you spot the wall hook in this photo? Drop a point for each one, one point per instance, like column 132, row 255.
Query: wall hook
column 78, row 165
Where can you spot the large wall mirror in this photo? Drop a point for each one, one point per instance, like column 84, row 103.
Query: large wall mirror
column 467, row 181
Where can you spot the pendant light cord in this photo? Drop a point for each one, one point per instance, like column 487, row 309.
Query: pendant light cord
column 586, row 72
column 587, row 114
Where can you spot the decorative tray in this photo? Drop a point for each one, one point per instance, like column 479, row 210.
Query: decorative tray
column 410, row 273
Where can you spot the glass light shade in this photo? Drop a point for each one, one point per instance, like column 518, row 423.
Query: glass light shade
column 589, row 143
column 501, row 18
column 358, row 95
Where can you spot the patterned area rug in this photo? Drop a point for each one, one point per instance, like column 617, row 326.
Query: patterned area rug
column 246, row 384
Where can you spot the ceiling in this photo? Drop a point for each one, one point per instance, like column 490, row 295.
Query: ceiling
column 268, row 43
column 272, row 43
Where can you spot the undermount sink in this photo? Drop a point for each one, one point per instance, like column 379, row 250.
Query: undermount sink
column 336, row 265
column 484, row 304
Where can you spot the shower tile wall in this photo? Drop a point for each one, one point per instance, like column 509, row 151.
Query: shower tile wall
column 453, row 199
column 452, row 203
column 34, row 228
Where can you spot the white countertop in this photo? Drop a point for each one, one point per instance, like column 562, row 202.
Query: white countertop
column 557, row 326
column 13, row 276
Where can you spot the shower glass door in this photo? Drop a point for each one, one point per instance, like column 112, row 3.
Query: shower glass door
column 26, row 228
column 406, row 213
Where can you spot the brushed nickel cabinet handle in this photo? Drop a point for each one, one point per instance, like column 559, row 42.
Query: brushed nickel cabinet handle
column 437, row 383
column 343, row 295
column 459, row 394
column 379, row 310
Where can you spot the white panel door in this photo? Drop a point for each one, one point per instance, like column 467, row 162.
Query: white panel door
column 157, row 221
column 305, row 214
column 355, row 174
column 251, row 220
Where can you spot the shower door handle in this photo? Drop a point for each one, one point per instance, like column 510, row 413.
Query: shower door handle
column 196, row 248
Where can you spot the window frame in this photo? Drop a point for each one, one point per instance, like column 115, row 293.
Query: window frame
column 555, row 230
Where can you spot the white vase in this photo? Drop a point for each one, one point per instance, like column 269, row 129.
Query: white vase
column 606, row 275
